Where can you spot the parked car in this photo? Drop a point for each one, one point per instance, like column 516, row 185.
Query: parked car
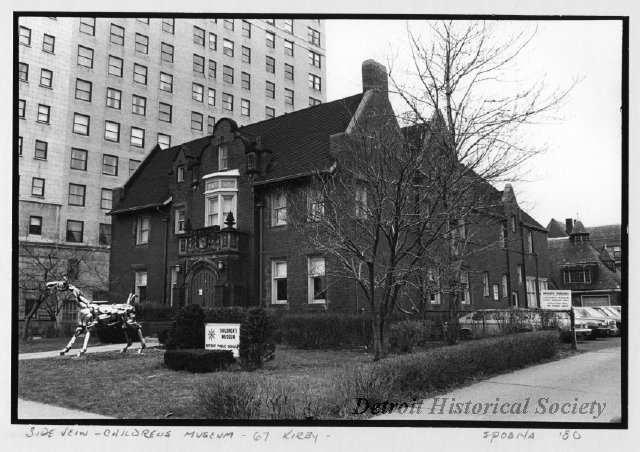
column 599, row 325
column 610, row 313
column 562, row 321
column 494, row 322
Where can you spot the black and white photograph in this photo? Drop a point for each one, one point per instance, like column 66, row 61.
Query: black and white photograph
column 290, row 228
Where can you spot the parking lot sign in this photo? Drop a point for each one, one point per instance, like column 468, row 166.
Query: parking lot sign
column 558, row 300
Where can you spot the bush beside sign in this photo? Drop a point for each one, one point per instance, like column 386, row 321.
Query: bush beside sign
column 222, row 336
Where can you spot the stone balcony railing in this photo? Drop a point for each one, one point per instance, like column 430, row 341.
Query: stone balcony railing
column 209, row 240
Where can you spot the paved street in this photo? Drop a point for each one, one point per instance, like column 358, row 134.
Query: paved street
column 582, row 388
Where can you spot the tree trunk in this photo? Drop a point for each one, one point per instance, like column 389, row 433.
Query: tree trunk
column 27, row 325
column 452, row 331
column 380, row 340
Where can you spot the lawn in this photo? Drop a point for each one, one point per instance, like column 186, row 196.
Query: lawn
column 140, row 386
column 136, row 386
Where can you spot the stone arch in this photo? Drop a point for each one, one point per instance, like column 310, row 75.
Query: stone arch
column 201, row 280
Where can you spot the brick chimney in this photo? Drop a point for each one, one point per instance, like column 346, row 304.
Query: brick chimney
column 568, row 225
column 374, row 76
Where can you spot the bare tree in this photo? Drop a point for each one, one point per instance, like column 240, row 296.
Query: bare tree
column 40, row 263
column 464, row 74
column 408, row 201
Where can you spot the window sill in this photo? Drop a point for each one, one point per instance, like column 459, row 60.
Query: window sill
column 320, row 302
column 280, row 303
column 38, row 196
column 44, row 122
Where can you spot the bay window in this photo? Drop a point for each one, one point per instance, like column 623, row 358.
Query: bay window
column 221, row 197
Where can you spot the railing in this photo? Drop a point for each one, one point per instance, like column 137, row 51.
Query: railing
column 208, row 240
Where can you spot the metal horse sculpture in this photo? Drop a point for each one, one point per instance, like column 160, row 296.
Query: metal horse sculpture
column 94, row 314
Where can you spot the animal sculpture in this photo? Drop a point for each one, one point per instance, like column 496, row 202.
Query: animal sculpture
column 93, row 314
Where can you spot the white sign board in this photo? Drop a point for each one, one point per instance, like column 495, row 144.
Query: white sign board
column 222, row 336
column 559, row 300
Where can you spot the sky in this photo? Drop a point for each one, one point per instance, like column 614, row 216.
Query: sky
column 579, row 174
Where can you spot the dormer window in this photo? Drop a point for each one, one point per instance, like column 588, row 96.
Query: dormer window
column 222, row 157
column 180, row 174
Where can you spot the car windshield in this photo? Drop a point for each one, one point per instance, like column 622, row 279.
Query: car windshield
column 593, row 312
column 581, row 312
column 611, row 311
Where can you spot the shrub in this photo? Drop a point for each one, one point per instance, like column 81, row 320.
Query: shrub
column 223, row 315
column 407, row 334
column 115, row 335
column 325, row 330
column 163, row 335
column 257, row 344
column 154, row 311
column 198, row 360
column 256, row 331
column 187, row 330
column 250, row 396
column 230, row 396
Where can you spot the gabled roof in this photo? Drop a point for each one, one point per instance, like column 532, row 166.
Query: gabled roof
column 610, row 235
column 556, row 229
column 300, row 140
column 578, row 228
column 564, row 252
column 149, row 185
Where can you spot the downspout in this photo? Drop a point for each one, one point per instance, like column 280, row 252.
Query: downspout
column 537, row 279
column 506, row 249
column 524, row 265
column 260, row 206
column 164, row 254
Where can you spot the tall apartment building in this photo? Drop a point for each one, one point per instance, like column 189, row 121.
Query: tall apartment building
column 97, row 94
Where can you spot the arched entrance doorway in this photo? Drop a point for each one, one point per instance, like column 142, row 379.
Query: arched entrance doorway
column 201, row 287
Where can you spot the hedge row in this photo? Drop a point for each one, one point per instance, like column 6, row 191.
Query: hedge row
column 336, row 330
column 259, row 396
column 198, row 360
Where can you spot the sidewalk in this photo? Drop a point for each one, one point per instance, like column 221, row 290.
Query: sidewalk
column 34, row 410
column 151, row 342
column 581, row 388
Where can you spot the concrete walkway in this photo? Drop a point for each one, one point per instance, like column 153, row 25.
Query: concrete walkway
column 28, row 410
column 581, row 388
column 150, row 341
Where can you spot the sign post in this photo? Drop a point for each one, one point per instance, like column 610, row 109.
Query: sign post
column 560, row 300
column 222, row 336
